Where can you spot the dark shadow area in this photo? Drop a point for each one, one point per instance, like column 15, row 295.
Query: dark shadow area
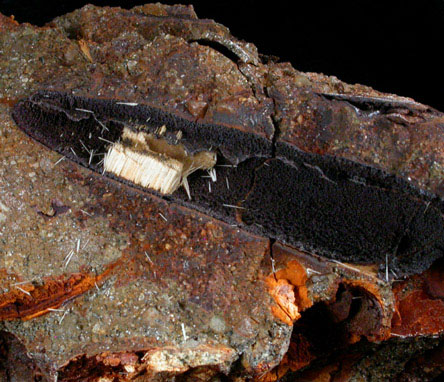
column 439, row 378
column 15, row 365
column 325, row 329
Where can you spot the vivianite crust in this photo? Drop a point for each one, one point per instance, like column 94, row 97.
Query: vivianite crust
column 102, row 280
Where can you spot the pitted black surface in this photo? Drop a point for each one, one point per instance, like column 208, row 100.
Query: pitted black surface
column 331, row 206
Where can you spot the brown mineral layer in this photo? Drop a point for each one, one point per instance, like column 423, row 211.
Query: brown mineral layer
column 103, row 281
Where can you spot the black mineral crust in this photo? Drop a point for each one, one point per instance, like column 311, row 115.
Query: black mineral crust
column 334, row 207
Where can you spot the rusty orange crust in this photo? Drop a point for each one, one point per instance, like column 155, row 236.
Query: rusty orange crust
column 291, row 286
column 8, row 101
column 296, row 275
column 288, row 288
column 420, row 304
column 419, row 311
column 283, row 293
column 33, row 301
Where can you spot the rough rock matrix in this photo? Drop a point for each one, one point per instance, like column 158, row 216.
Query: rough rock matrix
column 315, row 254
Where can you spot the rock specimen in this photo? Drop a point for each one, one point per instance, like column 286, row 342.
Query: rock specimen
column 306, row 243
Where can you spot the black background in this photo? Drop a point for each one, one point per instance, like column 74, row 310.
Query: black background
column 393, row 46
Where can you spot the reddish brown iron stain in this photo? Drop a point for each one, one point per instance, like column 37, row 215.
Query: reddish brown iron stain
column 369, row 320
column 420, row 303
column 8, row 101
column 53, row 292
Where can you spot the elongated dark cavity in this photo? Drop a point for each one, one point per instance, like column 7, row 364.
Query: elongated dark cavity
column 333, row 207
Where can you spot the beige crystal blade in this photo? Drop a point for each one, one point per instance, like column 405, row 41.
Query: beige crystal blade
column 154, row 163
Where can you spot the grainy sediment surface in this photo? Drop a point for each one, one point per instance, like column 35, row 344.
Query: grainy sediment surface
column 100, row 281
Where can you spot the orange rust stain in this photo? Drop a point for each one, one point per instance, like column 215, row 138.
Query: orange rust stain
column 8, row 101
column 112, row 359
column 296, row 275
column 368, row 286
column 283, row 293
column 33, row 301
column 418, row 314
column 420, row 304
column 288, row 288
